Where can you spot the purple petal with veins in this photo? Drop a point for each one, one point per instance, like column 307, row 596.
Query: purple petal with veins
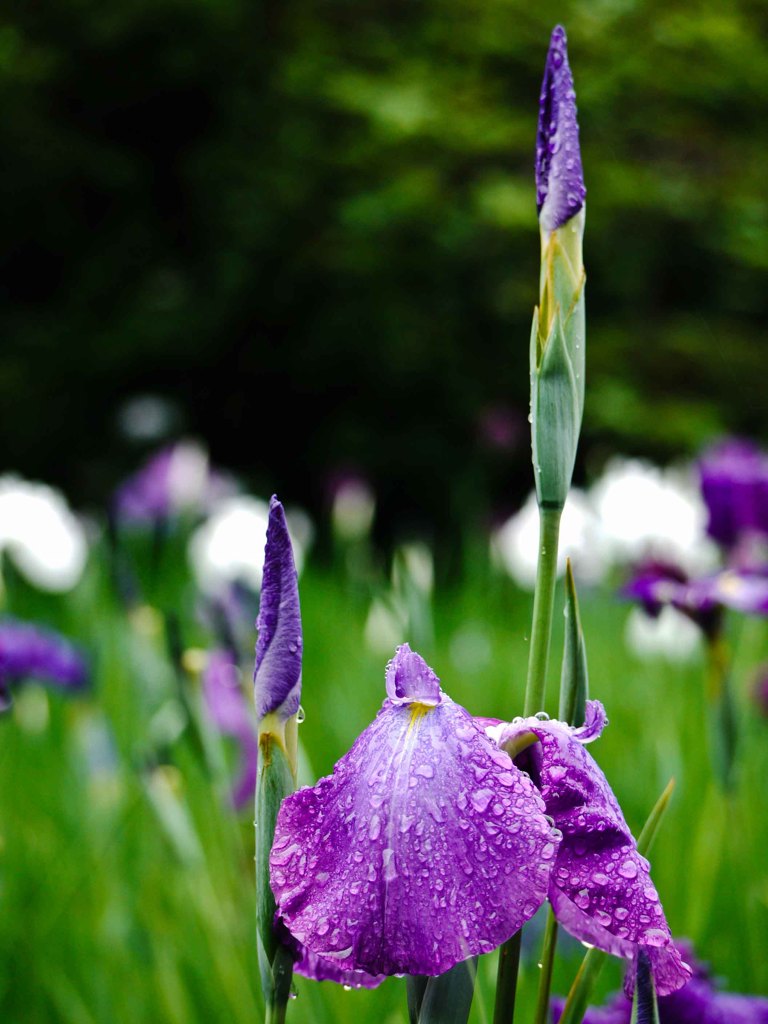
column 560, row 190
column 600, row 888
column 425, row 847
column 277, row 676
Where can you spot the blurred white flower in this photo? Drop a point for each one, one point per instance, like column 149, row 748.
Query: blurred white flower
column 148, row 417
column 354, row 505
column 229, row 546
column 515, row 545
column 670, row 636
column 647, row 512
column 42, row 535
column 414, row 563
column 385, row 625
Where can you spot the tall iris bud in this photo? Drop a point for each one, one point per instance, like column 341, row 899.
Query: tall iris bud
column 557, row 336
column 277, row 686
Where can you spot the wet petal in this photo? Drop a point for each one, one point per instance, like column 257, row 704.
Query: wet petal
column 409, row 678
column 426, row 846
column 311, row 966
column 560, row 188
column 277, row 676
column 600, row 889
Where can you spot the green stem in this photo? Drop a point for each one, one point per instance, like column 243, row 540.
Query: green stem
column 722, row 713
column 584, row 983
column 543, row 607
column 547, row 963
column 506, row 980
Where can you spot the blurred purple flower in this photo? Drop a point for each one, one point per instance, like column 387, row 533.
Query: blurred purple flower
column 600, row 888
column 176, row 479
column 228, row 708
column 425, row 847
column 734, row 484
column 698, row 1002
column 560, row 190
column 28, row 651
column 656, row 584
column 277, row 675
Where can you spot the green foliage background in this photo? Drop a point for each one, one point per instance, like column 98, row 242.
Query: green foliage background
column 320, row 215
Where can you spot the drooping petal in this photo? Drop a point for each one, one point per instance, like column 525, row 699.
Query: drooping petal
column 228, row 708
column 600, row 889
column 277, row 676
column 697, row 1002
column 311, row 966
column 560, row 190
column 425, row 847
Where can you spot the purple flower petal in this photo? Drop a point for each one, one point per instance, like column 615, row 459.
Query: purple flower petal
column 560, row 190
column 600, row 889
column 425, row 847
column 742, row 591
column 734, row 484
column 228, row 708
column 311, row 966
column 29, row 652
column 277, row 676
column 656, row 584
column 697, row 1002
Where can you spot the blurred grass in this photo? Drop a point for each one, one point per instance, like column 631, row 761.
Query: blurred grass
column 126, row 888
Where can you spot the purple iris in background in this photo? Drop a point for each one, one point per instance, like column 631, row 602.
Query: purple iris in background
column 277, row 675
column 560, row 190
column 656, row 584
column 425, row 847
column 28, row 651
column 600, row 888
column 698, row 1002
column 734, row 484
column 228, row 709
column 174, row 480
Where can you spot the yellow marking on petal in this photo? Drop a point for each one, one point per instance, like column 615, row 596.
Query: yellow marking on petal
column 418, row 711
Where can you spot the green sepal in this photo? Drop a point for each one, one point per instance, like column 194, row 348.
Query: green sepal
column 274, row 782
column 574, row 680
column 644, row 1007
column 447, row 999
column 556, row 406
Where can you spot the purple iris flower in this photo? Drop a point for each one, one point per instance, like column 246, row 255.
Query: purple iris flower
column 656, row 584
column 228, row 709
column 560, row 190
column 277, row 675
column 29, row 652
column 698, row 1002
column 425, row 847
column 176, row 479
column 600, row 888
column 734, row 484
